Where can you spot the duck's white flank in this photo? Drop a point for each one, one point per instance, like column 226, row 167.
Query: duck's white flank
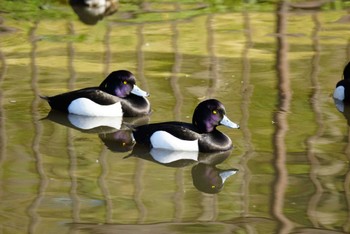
column 95, row 3
column 164, row 140
column 84, row 106
column 340, row 105
column 168, row 156
column 90, row 122
column 339, row 93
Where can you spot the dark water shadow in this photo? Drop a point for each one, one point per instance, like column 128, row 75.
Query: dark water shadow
column 280, row 182
column 246, row 92
column 315, row 105
column 32, row 209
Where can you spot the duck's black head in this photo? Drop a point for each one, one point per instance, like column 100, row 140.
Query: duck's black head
column 209, row 114
column 346, row 72
column 121, row 83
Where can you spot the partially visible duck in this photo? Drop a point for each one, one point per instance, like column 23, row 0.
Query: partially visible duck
column 91, row 11
column 117, row 95
column 342, row 90
column 200, row 135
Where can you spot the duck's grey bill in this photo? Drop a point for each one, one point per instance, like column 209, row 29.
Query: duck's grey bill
column 139, row 92
column 228, row 123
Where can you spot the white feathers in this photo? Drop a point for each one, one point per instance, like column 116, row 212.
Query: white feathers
column 84, row 106
column 339, row 105
column 95, row 3
column 167, row 156
column 89, row 122
column 339, row 93
column 164, row 140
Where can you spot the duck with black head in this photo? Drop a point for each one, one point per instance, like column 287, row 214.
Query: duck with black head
column 92, row 11
column 342, row 89
column 200, row 135
column 117, row 95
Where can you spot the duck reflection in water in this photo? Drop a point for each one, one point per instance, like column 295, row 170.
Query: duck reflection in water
column 118, row 141
column 210, row 179
column 341, row 94
column 91, row 11
column 113, row 131
column 206, row 176
column 342, row 89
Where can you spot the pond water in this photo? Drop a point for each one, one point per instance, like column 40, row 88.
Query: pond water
column 274, row 71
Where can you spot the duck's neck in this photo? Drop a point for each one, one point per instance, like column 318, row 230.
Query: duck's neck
column 204, row 127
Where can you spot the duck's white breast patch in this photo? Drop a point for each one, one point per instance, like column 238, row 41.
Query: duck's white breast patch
column 84, row 106
column 90, row 122
column 339, row 93
column 164, row 140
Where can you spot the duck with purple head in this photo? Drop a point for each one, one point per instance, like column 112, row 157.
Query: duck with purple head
column 200, row 135
column 117, row 95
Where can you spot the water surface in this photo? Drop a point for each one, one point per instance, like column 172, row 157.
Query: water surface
column 275, row 74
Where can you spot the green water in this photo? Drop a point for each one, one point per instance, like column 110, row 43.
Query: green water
column 292, row 150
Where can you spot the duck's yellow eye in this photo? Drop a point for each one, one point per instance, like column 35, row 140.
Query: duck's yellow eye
column 215, row 112
column 213, row 186
column 125, row 82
